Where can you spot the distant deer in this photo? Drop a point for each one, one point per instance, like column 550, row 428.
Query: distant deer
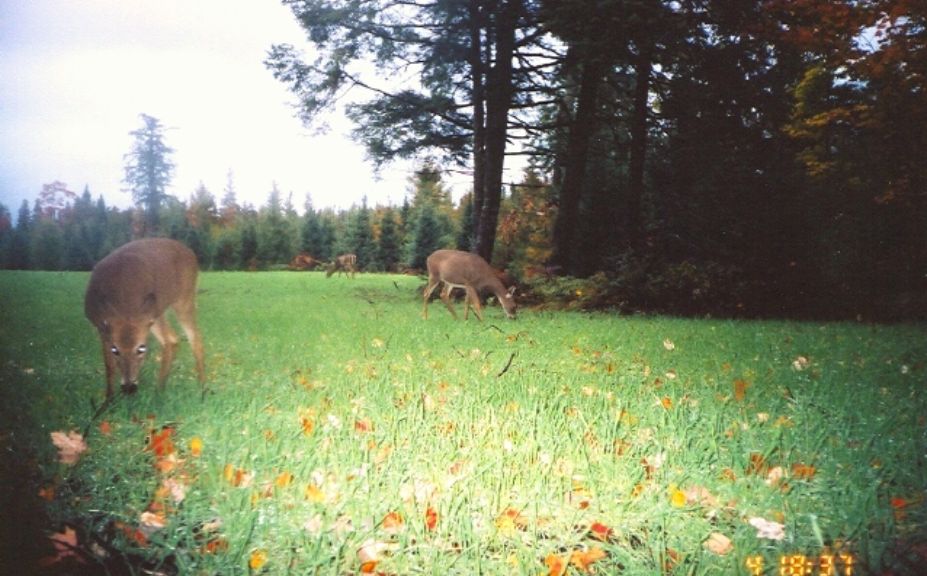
column 128, row 295
column 344, row 264
column 457, row 269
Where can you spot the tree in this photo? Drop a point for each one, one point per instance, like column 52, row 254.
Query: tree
column 275, row 242
column 21, row 244
column 473, row 66
column 359, row 236
column 148, row 170
column 388, row 249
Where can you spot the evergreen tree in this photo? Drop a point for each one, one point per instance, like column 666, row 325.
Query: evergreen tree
column 426, row 237
column 6, row 235
column 21, row 245
column 275, row 245
column 359, row 236
column 389, row 251
column 466, row 236
column 148, row 171
column 248, row 251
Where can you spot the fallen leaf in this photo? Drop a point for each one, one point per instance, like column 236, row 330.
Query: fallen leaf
column 65, row 547
column 582, row 559
column 719, row 544
column 363, row 425
column 314, row 494
column 70, row 446
column 431, row 519
column 161, row 442
column 371, row 552
column 105, row 428
column 677, row 496
column 600, row 531
column 393, row 521
column 803, row 471
column 196, row 446
column 775, row 476
column 47, row 493
column 257, row 559
column 668, row 344
column 283, row 480
column 556, row 565
column 767, row 529
column 800, row 363
column 740, row 389
column 307, row 425
column 701, row 496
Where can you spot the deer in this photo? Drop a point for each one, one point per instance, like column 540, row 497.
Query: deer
column 343, row 264
column 128, row 295
column 458, row 269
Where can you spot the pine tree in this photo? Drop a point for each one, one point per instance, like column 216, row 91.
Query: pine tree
column 148, row 171
column 388, row 246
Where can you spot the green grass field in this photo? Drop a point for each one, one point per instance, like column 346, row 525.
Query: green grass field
column 341, row 433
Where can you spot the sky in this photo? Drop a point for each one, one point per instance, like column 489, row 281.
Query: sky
column 77, row 74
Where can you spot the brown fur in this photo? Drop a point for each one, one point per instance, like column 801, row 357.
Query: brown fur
column 129, row 293
column 344, row 264
column 457, row 269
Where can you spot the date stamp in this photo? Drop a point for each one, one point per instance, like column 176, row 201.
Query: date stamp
column 842, row 564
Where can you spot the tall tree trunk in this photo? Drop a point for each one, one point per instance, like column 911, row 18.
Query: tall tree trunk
column 581, row 130
column 479, row 117
column 498, row 102
column 643, row 67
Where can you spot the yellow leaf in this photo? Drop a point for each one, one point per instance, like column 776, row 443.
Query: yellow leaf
column 258, row 559
column 314, row 494
column 196, row 446
column 283, row 480
column 740, row 389
column 555, row 564
column 677, row 496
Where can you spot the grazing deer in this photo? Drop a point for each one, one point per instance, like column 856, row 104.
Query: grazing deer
column 344, row 264
column 469, row 271
column 128, row 295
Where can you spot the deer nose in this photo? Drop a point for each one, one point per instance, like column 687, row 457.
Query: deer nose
column 129, row 387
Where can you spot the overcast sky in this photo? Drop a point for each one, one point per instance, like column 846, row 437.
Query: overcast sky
column 78, row 73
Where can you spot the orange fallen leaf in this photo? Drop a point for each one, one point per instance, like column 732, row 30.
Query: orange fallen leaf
column 803, row 471
column 283, row 480
column 740, row 389
column 666, row 402
column 431, row 519
column 583, row 559
column 363, row 425
column 393, row 521
column 105, row 428
column 161, row 443
column 556, row 566
column 257, row 559
column 307, row 425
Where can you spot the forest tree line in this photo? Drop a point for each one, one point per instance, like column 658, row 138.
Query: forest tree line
column 688, row 156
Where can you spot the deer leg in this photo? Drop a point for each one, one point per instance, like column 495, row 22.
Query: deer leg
column 168, row 340
column 474, row 298
column 428, row 290
column 186, row 315
column 446, row 298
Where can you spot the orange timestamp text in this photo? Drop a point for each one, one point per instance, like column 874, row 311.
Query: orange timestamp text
column 841, row 564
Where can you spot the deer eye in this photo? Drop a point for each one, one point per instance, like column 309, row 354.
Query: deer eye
column 141, row 349
column 114, row 350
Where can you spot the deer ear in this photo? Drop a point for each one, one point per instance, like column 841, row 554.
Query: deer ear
column 511, row 290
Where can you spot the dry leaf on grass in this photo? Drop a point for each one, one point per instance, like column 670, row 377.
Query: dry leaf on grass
column 70, row 446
